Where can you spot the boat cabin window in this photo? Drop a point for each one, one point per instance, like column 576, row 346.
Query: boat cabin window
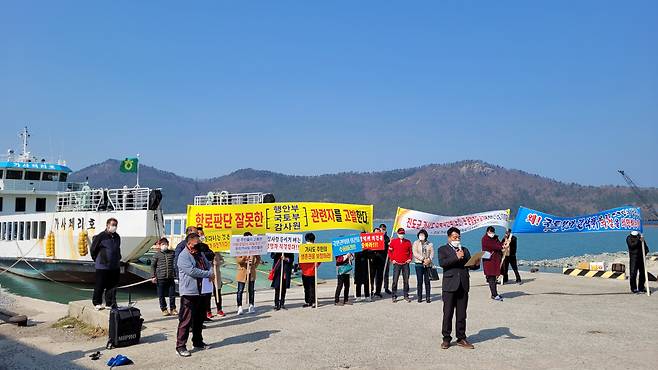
column 32, row 175
column 2, row 173
column 35, row 229
column 50, row 176
column 0, row 204
column 14, row 175
column 63, row 176
column 20, row 204
column 41, row 205
column 42, row 229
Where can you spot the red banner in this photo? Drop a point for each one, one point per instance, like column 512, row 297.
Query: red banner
column 372, row 241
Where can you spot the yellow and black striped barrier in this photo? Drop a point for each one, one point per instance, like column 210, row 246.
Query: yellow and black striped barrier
column 594, row 273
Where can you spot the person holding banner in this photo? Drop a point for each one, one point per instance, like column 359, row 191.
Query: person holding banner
column 308, row 276
column 387, row 261
column 455, row 286
column 247, row 269
column 400, row 254
column 343, row 269
column 281, row 261
column 494, row 247
column 635, row 242
column 423, row 252
column 510, row 259
column 361, row 261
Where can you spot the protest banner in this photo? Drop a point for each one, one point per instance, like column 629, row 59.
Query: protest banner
column 346, row 244
column 372, row 241
column 248, row 245
column 414, row 221
column 218, row 240
column 283, row 243
column 289, row 217
column 616, row 219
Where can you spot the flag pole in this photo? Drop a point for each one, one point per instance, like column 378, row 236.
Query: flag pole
column 315, row 288
column 137, row 169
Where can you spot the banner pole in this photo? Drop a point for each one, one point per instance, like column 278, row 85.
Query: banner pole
column 247, row 282
column 646, row 273
column 216, row 281
column 369, row 285
column 502, row 261
column 315, row 289
column 281, row 279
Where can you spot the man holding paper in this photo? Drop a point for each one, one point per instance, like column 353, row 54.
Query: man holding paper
column 455, row 260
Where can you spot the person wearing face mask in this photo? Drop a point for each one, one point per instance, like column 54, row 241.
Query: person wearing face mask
column 212, row 257
column 106, row 252
column 491, row 244
column 378, row 262
column 193, row 267
column 634, row 242
column 400, row 254
column 423, row 252
column 387, row 261
column 162, row 265
column 454, row 288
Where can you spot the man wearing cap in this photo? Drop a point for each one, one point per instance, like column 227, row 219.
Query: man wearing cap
column 399, row 252
column 636, row 259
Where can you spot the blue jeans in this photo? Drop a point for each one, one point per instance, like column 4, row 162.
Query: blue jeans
column 241, row 291
column 422, row 276
column 168, row 287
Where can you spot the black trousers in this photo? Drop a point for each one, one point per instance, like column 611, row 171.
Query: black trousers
column 106, row 281
column 423, row 278
column 491, row 279
column 343, row 282
column 251, row 292
column 397, row 270
column 377, row 277
column 454, row 301
column 387, row 268
column 510, row 260
column 282, row 301
column 191, row 315
column 166, row 288
column 636, row 266
column 309, row 289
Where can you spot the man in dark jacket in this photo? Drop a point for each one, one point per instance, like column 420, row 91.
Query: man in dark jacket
column 510, row 259
column 378, row 263
column 387, row 262
column 163, row 275
column 106, row 253
column 635, row 243
column 179, row 248
column 456, row 283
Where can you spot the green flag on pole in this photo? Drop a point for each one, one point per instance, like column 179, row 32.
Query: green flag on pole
column 129, row 165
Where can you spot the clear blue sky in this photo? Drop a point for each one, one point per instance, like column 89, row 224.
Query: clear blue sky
column 564, row 89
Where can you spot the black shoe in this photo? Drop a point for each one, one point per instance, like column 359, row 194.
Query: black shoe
column 388, row 292
column 379, row 295
column 420, row 300
column 305, row 305
column 428, row 300
column 201, row 346
column 283, row 307
column 183, row 352
column 276, row 308
column 394, row 298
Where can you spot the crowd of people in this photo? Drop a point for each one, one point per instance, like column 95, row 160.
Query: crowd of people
column 197, row 271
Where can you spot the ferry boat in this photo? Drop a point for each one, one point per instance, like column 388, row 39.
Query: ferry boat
column 47, row 222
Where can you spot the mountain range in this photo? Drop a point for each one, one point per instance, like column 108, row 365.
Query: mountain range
column 449, row 189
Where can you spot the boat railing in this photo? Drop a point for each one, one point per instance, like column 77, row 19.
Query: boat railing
column 104, row 199
column 226, row 198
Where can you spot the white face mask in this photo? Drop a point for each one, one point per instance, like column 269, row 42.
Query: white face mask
column 111, row 229
column 202, row 238
column 491, row 235
column 456, row 243
column 164, row 247
column 421, row 237
column 401, row 236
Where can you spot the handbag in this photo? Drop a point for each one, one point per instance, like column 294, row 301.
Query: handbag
column 434, row 273
column 344, row 269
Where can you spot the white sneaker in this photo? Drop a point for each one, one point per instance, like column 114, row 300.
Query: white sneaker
column 240, row 311
column 252, row 309
column 98, row 307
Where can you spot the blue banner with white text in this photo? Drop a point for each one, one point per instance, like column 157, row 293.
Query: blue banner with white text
column 616, row 219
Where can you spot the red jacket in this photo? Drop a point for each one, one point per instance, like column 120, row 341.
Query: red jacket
column 495, row 246
column 308, row 269
column 399, row 250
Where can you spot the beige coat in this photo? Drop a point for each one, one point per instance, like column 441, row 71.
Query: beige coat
column 417, row 250
column 241, row 273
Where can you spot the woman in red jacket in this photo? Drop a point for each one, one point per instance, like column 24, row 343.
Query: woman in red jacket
column 491, row 244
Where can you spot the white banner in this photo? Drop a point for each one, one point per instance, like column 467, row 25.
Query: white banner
column 283, row 243
column 248, row 245
column 414, row 221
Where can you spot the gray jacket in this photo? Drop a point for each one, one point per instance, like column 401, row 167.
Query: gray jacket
column 162, row 265
column 189, row 276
